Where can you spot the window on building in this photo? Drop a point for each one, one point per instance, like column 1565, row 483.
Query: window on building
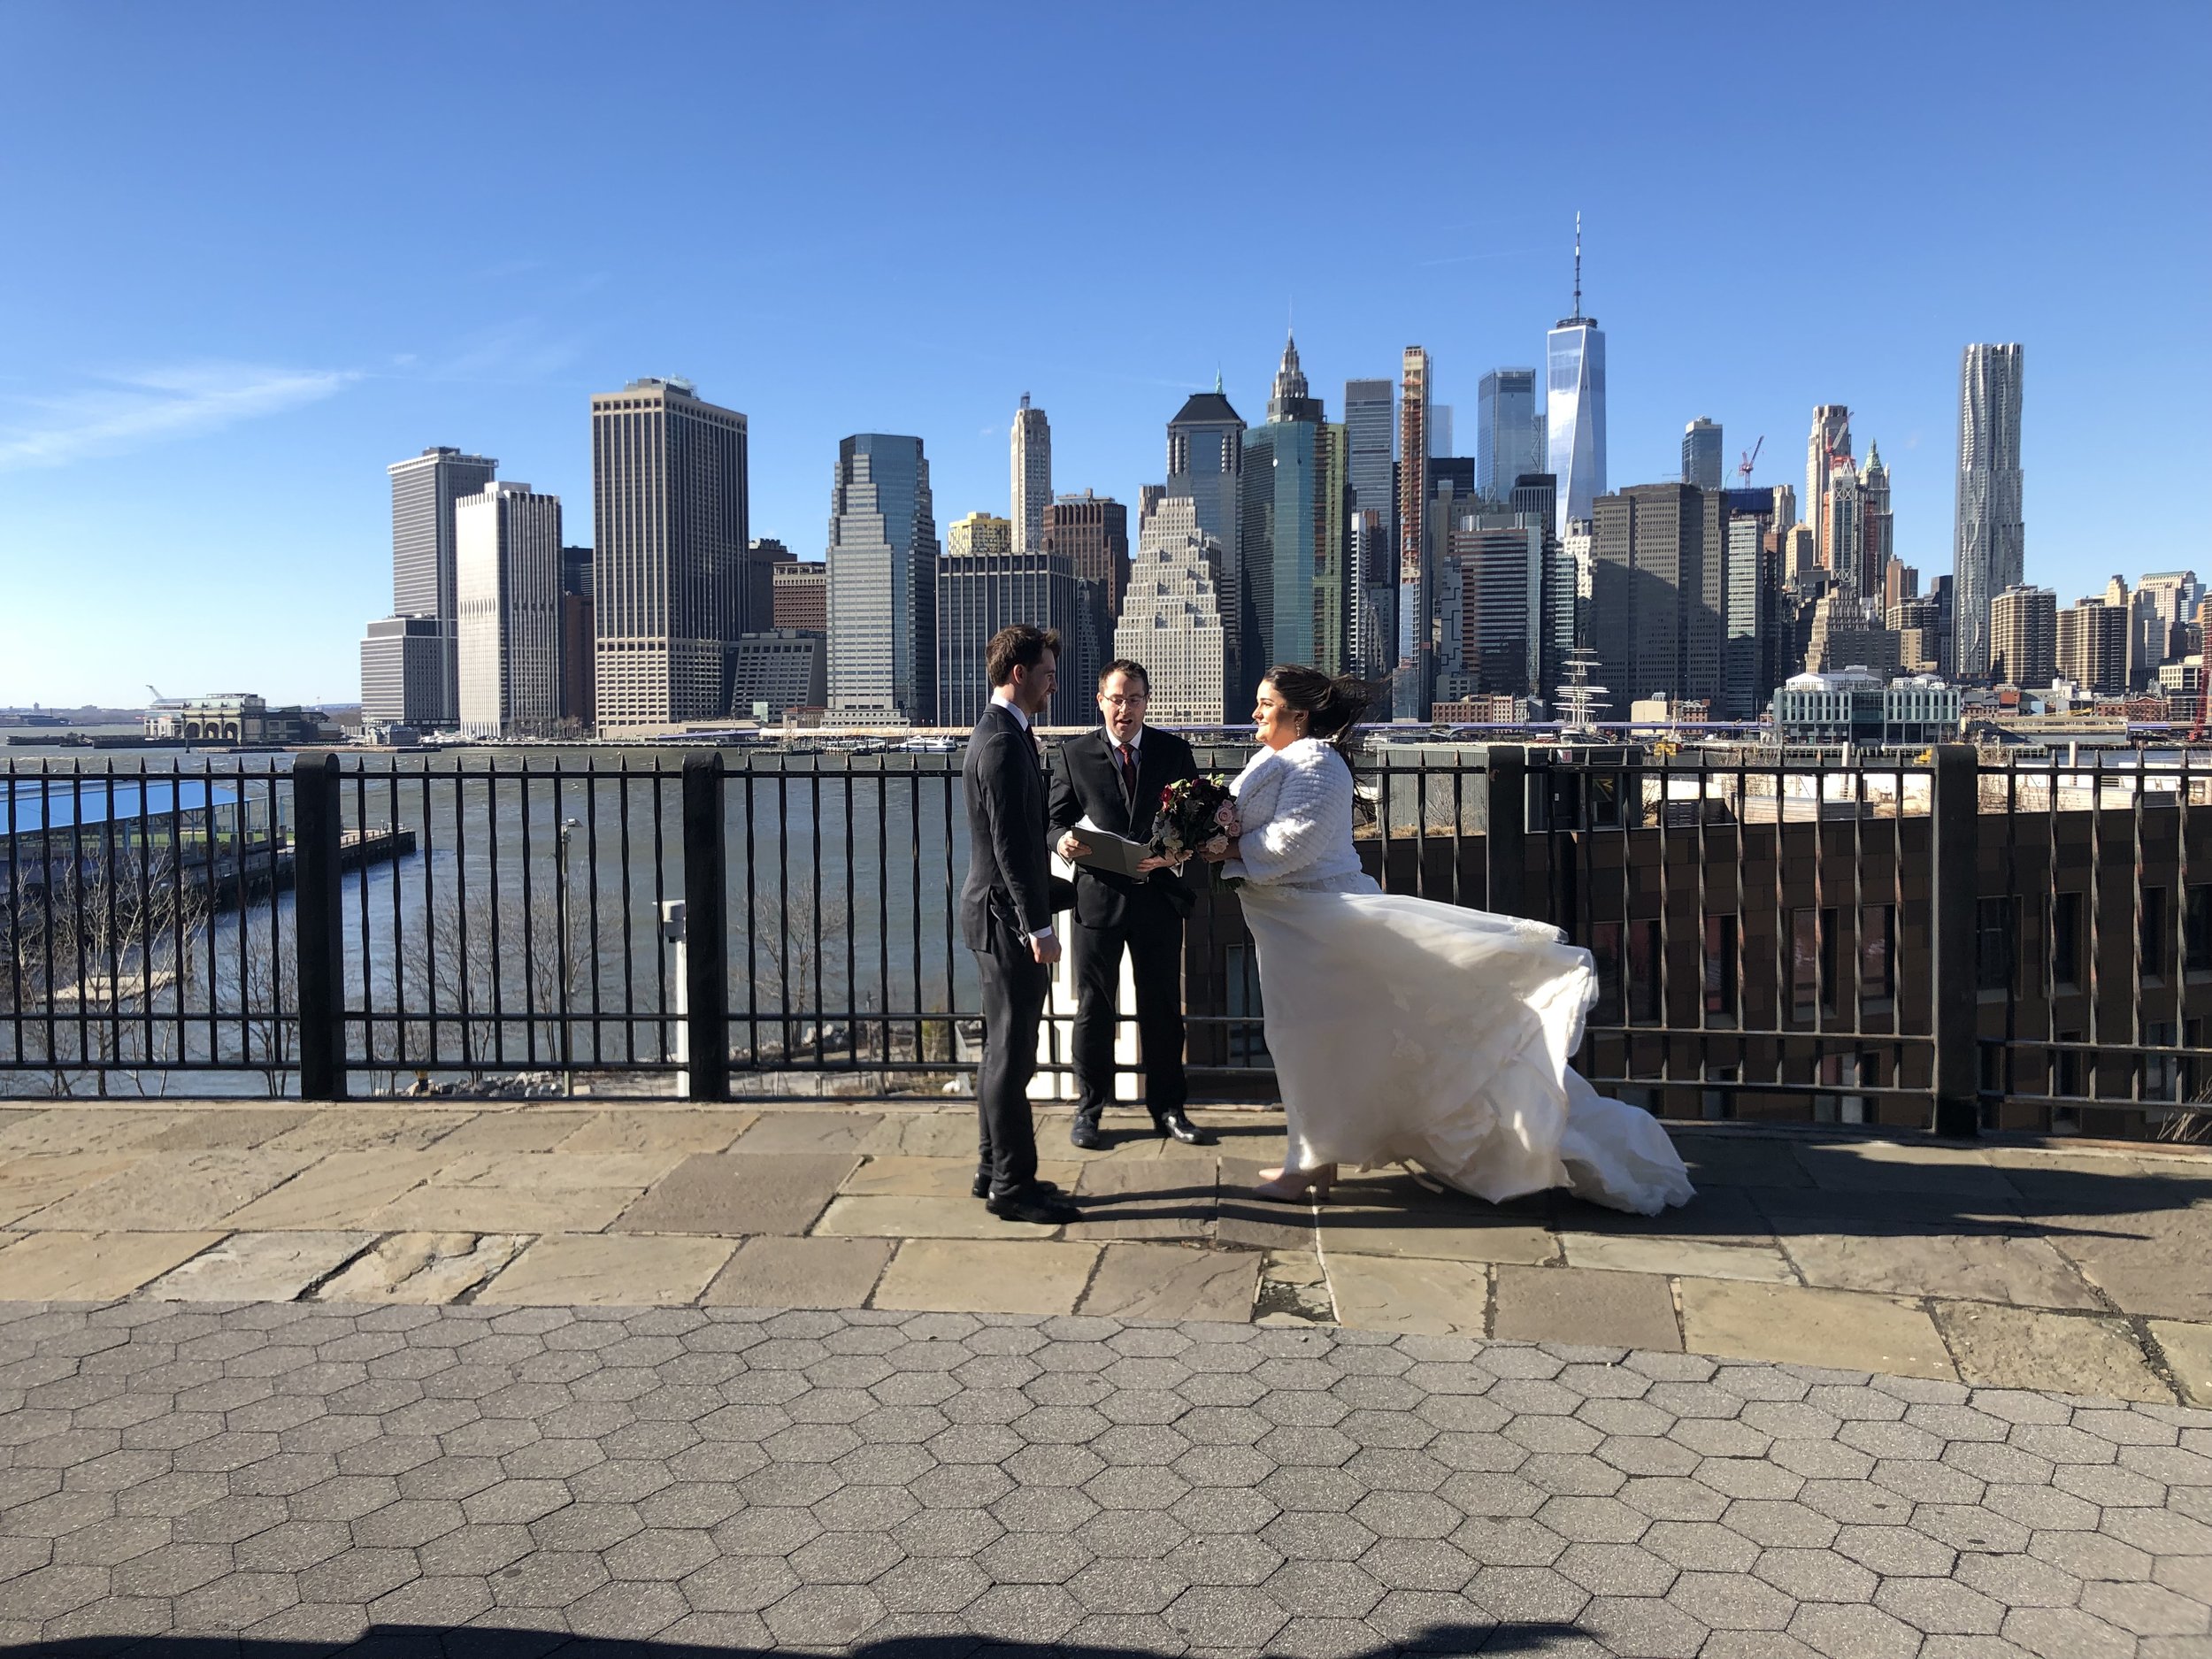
column 1645, row 1004
column 1804, row 963
column 1877, row 955
column 2161, row 1071
column 2196, row 931
column 2066, row 940
column 1721, row 937
column 2156, row 933
column 1605, row 952
column 1993, row 943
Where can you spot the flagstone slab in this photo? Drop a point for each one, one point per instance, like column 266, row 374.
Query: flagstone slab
column 241, row 1128
column 1414, row 1294
column 1440, row 1235
column 1740, row 1160
column 329, row 1129
column 437, row 1208
column 1173, row 1281
column 987, row 1276
column 817, row 1133
column 912, row 1216
column 424, row 1267
column 602, row 1269
column 30, row 1184
column 519, row 1129
column 1567, row 1304
column 557, row 1172
column 2027, row 1348
column 92, row 1266
column 1889, row 1166
column 2188, row 1350
column 173, row 1191
column 1846, row 1329
column 343, row 1190
column 941, row 1135
column 732, row 1194
column 1982, row 1267
column 259, row 1267
column 1147, row 1199
column 2132, row 1258
column 85, row 1129
column 899, row 1175
column 700, row 1129
column 817, row 1272
column 1692, row 1258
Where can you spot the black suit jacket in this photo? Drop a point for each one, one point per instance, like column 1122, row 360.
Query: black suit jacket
column 1087, row 783
column 1009, row 866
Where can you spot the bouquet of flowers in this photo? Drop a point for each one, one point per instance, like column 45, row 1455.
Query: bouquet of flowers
column 1196, row 815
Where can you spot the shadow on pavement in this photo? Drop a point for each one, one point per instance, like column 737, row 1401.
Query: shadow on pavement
column 427, row 1641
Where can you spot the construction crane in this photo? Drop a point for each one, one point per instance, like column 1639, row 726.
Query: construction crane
column 157, row 696
column 1750, row 457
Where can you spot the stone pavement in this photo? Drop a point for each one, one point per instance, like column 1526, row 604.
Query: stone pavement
column 2076, row 1268
column 924, row 1484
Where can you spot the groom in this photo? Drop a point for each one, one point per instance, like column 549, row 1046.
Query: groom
column 1006, row 911
column 1112, row 777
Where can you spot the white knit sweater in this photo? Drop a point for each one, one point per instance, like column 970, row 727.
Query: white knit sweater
column 1296, row 805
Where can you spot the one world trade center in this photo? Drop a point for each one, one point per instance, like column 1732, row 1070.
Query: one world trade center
column 1574, row 387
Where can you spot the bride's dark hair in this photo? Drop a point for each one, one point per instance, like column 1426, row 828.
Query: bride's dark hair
column 1331, row 706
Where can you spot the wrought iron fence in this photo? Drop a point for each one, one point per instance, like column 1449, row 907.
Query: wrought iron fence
column 1931, row 941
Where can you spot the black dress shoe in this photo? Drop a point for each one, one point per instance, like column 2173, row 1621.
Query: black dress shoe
column 1185, row 1131
column 1033, row 1204
column 1084, row 1132
column 982, row 1187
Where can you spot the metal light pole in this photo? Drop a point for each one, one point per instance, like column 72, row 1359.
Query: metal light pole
column 560, row 905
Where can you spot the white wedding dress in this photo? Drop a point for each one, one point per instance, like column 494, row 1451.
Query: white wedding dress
column 1409, row 1031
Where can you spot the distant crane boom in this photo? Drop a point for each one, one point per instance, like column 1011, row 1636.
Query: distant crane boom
column 1750, row 457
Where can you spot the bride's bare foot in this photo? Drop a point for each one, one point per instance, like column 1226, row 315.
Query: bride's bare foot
column 1293, row 1187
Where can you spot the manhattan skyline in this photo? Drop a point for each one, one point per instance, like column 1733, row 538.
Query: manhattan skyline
column 248, row 307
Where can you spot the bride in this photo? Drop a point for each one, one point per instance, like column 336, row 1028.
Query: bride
column 1405, row 1031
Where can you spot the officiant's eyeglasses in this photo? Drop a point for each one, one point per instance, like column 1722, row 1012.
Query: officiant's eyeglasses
column 1121, row 700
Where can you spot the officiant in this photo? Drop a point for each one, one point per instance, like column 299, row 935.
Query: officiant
column 1109, row 779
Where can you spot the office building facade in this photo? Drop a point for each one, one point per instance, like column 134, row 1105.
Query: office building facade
column 1031, row 476
column 403, row 673
column 799, row 596
column 1830, row 439
column 882, row 583
column 1171, row 617
column 1509, row 431
column 1092, row 530
column 1413, row 666
column 670, row 524
column 424, row 490
column 1291, row 528
column 777, row 671
column 1371, row 417
column 1989, row 538
column 507, row 574
column 2022, row 649
column 983, row 586
column 2091, row 642
column 1702, row 453
column 1658, row 592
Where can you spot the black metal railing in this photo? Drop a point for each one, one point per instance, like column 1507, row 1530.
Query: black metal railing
column 1932, row 939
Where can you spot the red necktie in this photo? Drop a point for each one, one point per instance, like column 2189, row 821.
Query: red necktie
column 1129, row 773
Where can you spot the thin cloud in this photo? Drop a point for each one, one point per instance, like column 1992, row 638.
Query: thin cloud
column 118, row 412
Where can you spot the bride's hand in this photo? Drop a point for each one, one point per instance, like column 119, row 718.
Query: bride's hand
column 1219, row 850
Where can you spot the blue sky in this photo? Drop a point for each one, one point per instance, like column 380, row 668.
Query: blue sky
column 257, row 253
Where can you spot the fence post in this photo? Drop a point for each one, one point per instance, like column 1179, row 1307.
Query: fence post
column 1954, row 830
column 1505, row 836
column 707, row 953
column 319, row 927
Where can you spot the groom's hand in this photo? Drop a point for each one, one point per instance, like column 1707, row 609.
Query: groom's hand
column 1046, row 950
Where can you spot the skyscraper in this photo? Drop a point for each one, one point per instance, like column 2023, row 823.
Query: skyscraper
column 507, row 579
column 1093, row 531
column 670, row 520
column 1370, row 550
column 1754, row 661
column 1033, row 476
column 982, row 586
column 1877, row 527
column 1509, row 432
column 1413, row 667
column 1171, row 617
column 1842, row 530
column 2023, row 636
column 2092, row 644
column 1574, row 414
column 1659, row 591
column 1989, row 545
column 1534, row 500
column 424, row 491
column 1205, row 465
column 1831, row 438
column 882, row 561
column 1291, row 529
column 1702, row 453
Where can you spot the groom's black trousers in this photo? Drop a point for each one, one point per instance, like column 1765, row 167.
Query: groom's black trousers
column 1015, row 986
column 1152, row 933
